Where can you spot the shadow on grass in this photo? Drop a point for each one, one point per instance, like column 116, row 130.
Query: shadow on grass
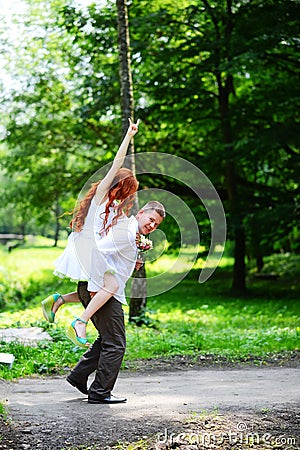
column 220, row 284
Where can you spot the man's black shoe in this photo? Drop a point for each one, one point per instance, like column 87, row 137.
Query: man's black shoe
column 106, row 400
column 81, row 387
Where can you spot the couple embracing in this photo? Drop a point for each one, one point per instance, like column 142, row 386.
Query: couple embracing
column 101, row 254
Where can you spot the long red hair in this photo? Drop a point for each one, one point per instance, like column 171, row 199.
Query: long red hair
column 123, row 188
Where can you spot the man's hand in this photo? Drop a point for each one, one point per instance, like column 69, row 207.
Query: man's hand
column 139, row 263
column 137, row 239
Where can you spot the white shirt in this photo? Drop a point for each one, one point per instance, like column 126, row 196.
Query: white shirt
column 120, row 252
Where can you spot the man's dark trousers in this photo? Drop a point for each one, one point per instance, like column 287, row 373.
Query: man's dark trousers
column 105, row 355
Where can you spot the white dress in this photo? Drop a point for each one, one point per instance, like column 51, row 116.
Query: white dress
column 76, row 261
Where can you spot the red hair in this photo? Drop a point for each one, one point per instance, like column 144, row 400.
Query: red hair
column 122, row 188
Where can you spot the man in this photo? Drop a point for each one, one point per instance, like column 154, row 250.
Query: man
column 105, row 355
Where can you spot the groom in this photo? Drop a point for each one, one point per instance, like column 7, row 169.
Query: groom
column 105, row 355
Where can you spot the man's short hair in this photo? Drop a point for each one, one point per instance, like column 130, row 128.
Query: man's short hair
column 155, row 206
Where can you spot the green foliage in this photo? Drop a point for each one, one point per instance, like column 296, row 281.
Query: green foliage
column 46, row 358
column 214, row 82
column 286, row 266
column 227, row 72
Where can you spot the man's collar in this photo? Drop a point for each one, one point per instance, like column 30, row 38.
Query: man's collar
column 134, row 223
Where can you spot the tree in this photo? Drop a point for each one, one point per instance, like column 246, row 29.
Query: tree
column 138, row 288
column 218, row 83
column 215, row 66
column 51, row 139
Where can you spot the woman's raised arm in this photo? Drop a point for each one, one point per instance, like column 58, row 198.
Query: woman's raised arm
column 117, row 163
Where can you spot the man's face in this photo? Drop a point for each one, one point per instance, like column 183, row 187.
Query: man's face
column 148, row 221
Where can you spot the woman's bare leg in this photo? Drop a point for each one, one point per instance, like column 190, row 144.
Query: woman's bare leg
column 100, row 298
column 71, row 297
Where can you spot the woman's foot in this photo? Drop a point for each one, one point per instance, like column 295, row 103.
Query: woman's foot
column 77, row 332
column 57, row 304
column 50, row 306
column 80, row 329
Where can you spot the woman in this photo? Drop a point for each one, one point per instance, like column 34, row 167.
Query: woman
column 106, row 201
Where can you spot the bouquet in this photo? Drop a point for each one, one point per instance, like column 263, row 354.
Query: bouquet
column 143, row 243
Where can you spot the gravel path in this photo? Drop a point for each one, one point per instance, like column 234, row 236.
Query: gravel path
column 50, row 414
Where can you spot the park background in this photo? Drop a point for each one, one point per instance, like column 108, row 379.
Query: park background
column 213, row 82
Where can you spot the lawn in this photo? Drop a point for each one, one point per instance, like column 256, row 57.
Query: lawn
column 189, row 319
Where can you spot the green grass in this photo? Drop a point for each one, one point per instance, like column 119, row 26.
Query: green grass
column 190, row 319
column 3, row 410
column 228, row 328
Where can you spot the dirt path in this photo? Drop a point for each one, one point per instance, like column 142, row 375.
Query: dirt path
column 49, row 414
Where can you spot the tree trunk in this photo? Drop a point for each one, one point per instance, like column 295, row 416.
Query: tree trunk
column 259, row 263
column 138, row 291
column 138, row 302
column 239, row 269
column 225, row 89
column 57, row 224
column 127, row 103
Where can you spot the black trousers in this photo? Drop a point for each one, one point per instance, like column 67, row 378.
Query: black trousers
column 105, row 355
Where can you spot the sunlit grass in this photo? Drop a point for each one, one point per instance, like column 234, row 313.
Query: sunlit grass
column 178, row 334
column 195, row 319
column 186, row 260
column 189, row 319
column 25, row 261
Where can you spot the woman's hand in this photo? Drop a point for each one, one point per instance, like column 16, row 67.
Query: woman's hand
column 105, row 184
column 133, row 127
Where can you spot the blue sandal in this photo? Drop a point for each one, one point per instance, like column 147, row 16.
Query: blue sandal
column 47, row 306
column 72, row 334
